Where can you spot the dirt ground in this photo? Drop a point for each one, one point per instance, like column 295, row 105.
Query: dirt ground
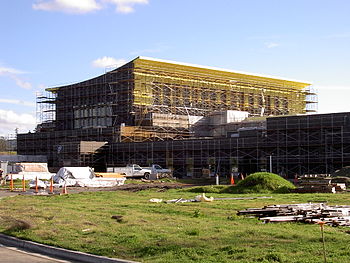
column 132, row 187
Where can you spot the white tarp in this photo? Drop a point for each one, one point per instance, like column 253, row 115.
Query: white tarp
column 30, row 171
column 84, row 177
column 236, row 116
column 41, row 184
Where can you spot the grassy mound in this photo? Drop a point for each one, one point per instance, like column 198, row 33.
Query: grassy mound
column 264, row 182
column 255, row 183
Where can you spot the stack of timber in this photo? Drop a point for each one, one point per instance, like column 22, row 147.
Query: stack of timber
column 338, row 215
column 318, row 184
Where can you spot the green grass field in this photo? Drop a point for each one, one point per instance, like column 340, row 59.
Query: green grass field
column 182, row 232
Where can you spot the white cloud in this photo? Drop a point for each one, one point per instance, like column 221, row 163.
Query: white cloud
column 21, row 83
column 108, row 62
column 9, row 121
column 125, row 6
column 7, row 71
column 13, row 74
column 18, row 102
column 271, row 44
column 68, row 6
column 86, row 6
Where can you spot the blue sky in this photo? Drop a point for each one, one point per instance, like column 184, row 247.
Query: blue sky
column 52, row 42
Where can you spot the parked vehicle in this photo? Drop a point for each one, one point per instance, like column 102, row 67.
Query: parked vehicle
column 132, row 170
column 157, row 169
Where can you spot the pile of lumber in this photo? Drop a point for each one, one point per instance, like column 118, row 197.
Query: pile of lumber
column 338, row 215
column 318, row 184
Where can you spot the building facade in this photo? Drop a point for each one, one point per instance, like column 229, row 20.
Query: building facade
column 150, row 100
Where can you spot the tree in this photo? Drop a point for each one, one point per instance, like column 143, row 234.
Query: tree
column 3, row 145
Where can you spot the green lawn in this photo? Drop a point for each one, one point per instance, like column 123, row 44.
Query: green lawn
column 159, row 232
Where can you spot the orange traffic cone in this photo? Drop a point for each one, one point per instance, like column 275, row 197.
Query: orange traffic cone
column 64, row 189
column 36, row 185
column 51, row 185
column 232, row 180
column 11, row 184
column 23, row 184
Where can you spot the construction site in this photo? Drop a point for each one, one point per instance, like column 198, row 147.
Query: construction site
column 188, row 118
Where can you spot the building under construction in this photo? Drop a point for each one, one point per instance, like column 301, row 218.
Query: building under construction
column 183, row 116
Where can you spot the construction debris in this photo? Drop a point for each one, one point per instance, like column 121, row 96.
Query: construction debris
column 83, row 177
column 37, row 183
column 109, row 175
column 338, row 215
column 156, row 200
column 30, row 171
column 203, row 198
column 318, row 184
column 181, row 200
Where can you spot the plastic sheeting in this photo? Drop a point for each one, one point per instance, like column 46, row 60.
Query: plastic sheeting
column 84, row 177
column 41, row 184
column 30, row 171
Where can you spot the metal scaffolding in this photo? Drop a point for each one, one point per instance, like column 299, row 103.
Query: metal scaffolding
column 150, row 100
column 45, row 109
column 168, row 87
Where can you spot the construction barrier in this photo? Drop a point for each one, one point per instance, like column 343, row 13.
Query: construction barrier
column 64, row 190
column 51, row 185
column 23, row 184
column 36, row 185
column 11, row 183
column 232, row 181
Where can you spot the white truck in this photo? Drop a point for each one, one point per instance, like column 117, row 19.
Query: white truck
column 156, row 168
column 158, row 172
column 132, row 170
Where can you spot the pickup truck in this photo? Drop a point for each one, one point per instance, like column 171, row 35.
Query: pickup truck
column 132, row 170
column 157, row 172
column 157, row 169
